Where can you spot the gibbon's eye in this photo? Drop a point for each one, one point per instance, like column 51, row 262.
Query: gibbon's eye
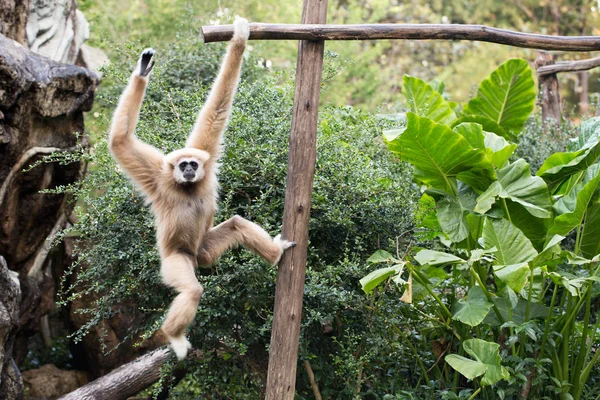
column 182, row 165
column 194, row 165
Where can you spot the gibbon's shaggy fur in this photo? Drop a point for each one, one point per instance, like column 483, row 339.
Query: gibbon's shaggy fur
column 182, row 188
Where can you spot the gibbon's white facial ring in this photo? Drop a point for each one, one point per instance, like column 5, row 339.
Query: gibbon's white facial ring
column 188, row 170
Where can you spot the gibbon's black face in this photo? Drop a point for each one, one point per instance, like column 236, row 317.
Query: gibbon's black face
column 188, row 170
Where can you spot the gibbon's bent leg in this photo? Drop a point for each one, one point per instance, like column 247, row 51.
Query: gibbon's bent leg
column 139, row 160
column 177, row 271
column 212, row 120
column 239, row 231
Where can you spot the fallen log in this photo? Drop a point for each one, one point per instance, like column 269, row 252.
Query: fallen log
column 125, row 381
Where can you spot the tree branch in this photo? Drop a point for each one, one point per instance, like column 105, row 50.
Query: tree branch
column 313, row 382
column 569, row 66
column 481, row 33
column 125, row 381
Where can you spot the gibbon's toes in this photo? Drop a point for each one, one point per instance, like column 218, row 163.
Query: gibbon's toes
column 284, row 244
column 180, row 346
column 146, row 61
column 241, row 28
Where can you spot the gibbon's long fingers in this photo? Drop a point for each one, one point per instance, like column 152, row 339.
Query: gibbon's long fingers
column 128, row 110
column 177, row 271
column 211, row 121
column 239, row 231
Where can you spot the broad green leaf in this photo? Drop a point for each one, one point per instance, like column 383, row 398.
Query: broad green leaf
column 518, row 313
column 432, row 257
column 534, row 228
column 513, row 246
column 426, row 101
column 437, row 152
column 514, row 275
column 487, row 124
column 473, row 132
column 473, row 309
column 501, row 148
column 589, row 130
column 451, row 217
column 516, row 183
column 590, row 235
column 378, row 276
column 438, row 85
column 572, row 208
column 380, row 256
column 569, row 281
column 507, row 96
column 486, row 363
column 496, row 147
column 560, row 166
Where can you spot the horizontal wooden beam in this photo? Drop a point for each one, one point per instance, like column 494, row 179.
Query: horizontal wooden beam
column 569, row 66
column 221, row 33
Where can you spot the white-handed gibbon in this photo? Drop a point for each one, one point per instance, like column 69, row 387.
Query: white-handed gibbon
column 182, row 188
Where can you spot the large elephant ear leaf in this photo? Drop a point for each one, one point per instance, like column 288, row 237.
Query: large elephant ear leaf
column 425, row 101
column 507, row 96
column 438, row 153
column 486, row 361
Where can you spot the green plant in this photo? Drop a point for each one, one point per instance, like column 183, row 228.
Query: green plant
column 504, row 281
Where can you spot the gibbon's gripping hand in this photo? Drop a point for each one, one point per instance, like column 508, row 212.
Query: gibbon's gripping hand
column 145, row 63
column 241, row 30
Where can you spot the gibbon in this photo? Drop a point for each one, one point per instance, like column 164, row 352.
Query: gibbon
column 182, row 188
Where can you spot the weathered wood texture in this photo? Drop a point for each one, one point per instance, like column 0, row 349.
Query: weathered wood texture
column 569, row 66
column 548, row 89
column 125, row 381
column 405, row 31
column 283, row 356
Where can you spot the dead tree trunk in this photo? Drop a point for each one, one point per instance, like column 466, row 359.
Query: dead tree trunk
column 283, row 356
column 550, row 96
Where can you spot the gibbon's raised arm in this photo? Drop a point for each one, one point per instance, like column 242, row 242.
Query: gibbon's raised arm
column 213, row 117
column 140, row 161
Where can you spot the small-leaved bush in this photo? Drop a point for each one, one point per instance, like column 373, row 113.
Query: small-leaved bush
column 516, row 313
column 363, row 199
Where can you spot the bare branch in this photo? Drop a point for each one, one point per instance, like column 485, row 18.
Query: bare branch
column 125, row 381
column 569, row 66
column 481, row 33
column 313, row 382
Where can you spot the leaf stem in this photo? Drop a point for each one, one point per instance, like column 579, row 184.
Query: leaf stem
column 475, row 394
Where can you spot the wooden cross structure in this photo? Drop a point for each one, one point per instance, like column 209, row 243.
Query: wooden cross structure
column 312, row 33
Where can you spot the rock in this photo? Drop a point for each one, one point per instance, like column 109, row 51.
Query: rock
column 42, row 104
column 56, row 29
column 11, row 385
column 92, row 58
column 49, row 382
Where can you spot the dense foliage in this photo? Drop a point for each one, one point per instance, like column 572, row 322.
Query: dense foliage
column 362, row 199
column 513, row 293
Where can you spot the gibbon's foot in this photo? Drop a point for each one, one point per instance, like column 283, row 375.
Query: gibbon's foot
column 283, row 244
column 146, row 62
column 180, row 346
column 241, row 29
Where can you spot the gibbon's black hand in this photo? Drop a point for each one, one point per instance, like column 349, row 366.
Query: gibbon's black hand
column 146, row 62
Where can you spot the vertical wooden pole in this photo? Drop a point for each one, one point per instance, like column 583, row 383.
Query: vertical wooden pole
column 549, row 93
column 283, row 355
